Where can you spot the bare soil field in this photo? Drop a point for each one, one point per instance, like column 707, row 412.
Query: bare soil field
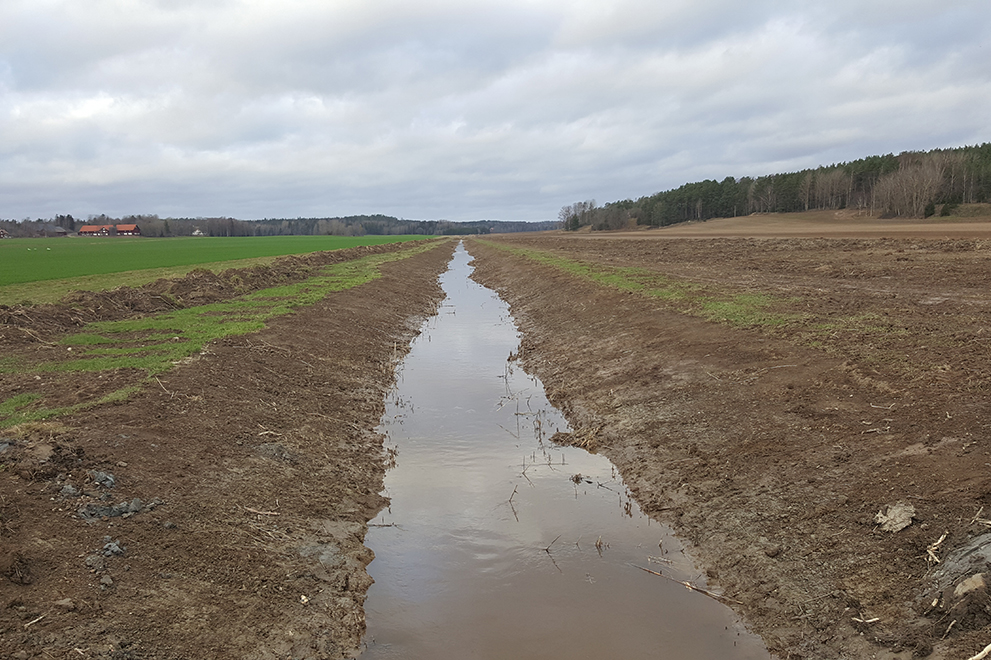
column 828, row 456
column 808, row 407
column 220, row 511
column 833, row 224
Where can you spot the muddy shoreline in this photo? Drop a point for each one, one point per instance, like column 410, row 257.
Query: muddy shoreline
column 247, row 476
column 772, row 455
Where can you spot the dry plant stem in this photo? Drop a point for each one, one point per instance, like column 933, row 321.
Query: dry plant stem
column 931, row 550
column 688, row 585
column 171, row 394
column 261, row 513
column 31, row 623
column 983, row 654
column 866, row 621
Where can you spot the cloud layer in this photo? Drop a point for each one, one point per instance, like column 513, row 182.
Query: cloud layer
column 470, row 109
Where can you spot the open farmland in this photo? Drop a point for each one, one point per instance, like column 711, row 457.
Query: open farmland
column 269, row 405
column 768, row 397
column 134, row 261
column 782, row 402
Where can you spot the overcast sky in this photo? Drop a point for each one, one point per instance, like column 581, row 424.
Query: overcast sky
column 463, row 109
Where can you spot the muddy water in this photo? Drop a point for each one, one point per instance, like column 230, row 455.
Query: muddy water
column 499, row 544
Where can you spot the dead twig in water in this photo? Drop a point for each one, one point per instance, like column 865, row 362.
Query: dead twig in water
column 548, row 548
column 512, row 507
column 689, row 585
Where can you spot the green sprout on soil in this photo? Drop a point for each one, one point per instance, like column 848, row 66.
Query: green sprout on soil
column 155, row 343
column 20, row 409
column 10, row 365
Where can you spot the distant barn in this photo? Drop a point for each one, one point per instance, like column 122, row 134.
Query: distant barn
column 95, row 230
column 49, row 229
column 109, row 230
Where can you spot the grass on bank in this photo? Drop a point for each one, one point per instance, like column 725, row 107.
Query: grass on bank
column 154, row 344
column 734, row 309
column 754, row 310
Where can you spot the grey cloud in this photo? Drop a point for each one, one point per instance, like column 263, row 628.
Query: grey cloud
column 463, row 109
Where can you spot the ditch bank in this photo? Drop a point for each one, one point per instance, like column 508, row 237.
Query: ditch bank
column 220, row 511
column 811, row 482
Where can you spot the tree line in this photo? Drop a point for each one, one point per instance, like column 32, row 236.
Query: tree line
column 355, row 225
column 912, row 184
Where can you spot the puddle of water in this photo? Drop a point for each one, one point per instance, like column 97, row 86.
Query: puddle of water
column 492, row 547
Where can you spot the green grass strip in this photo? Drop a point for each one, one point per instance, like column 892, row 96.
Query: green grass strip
column 734, row 309
column 154, row 344
column 19, row 409
column 31, row 260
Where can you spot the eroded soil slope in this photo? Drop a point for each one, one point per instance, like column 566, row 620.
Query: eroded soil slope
column 220, row 511
column 770, row 398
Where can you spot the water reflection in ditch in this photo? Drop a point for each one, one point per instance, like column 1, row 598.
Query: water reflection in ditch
column 493, row 546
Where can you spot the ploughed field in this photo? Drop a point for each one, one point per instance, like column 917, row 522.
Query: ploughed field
column 787, row 405
column 194, row 478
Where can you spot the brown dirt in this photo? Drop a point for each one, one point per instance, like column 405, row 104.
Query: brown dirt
column 773, row 449
column 257, row 466
column 834, row 224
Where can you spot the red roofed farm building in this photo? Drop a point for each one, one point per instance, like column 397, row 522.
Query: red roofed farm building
column 95, row 230
column 109, row 230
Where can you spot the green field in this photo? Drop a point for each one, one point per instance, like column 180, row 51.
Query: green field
column 39, row 270
column 35, row 259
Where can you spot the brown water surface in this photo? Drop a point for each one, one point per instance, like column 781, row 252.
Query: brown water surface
column 499, row 544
